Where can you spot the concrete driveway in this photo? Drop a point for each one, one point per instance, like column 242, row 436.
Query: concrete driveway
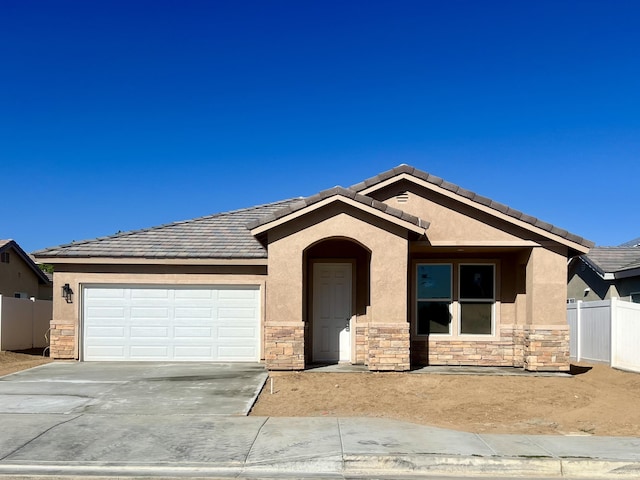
column 78, row 420
column 133, row 388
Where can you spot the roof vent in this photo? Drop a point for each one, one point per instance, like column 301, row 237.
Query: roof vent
column 402, row 197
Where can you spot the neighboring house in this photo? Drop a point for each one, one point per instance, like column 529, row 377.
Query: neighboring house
column 401, row 270
column 19, row 275
column 606, row 272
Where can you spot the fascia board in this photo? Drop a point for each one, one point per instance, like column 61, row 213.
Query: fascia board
column 153, row 261
column 632, row 272
column 454, row 196
column 338, row 198
column 482, row 243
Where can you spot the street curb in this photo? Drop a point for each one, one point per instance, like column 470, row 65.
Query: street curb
column 347, row 465
column 476, row 466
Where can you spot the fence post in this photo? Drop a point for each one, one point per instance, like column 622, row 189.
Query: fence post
column 613, row 325
column 578, row 330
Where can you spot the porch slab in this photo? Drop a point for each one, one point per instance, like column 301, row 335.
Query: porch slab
column 493, row 371
column 441, row 370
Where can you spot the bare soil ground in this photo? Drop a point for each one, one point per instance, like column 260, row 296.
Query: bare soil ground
column 11, row 362
column 595, row 400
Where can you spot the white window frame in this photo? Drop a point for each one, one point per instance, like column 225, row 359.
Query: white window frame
column 454, row 306
column 492, row 301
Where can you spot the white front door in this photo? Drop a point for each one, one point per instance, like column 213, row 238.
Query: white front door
column 331, row 312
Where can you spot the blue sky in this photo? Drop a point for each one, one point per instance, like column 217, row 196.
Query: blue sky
column 120, row 115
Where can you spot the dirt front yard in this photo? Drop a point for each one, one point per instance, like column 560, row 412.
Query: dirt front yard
column 11, row 362
column 598, row 401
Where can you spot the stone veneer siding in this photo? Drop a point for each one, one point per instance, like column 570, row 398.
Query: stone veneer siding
column 62, row 341
column 389, row 347
column 532, row 347
column 546, row 348
column 362, row 357
column 284, row 346
column 505, row 352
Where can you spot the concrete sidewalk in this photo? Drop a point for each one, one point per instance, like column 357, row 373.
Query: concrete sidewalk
column 197, row 446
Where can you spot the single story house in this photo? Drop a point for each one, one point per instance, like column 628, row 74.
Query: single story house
column 606, row 272
column 403, row 269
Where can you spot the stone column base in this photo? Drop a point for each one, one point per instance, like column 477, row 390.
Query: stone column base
column 546, row 348
column 62, row 341
column 389, row 347
column 284, row 346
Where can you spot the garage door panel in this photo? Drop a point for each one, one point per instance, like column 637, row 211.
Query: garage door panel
column 107, row 351
column 193, row 312
column 236, row 313
column 179, row 323
column 148, row 332
column 104, row 293
column 150, row 312
column 231, row 333
column 202, row 352
column 230, row 353
column 194, row 294
column 154, row 352
column 153, row 293
column 193, row 332
column 115, row 331
column 237, row 293
column 106, row 312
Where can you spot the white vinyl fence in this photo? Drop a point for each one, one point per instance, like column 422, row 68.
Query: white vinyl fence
column 24, row 323
column 625, row 342
column 605, row 331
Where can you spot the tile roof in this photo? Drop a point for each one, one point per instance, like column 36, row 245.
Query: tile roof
column 344, row 192
column 612, row 259
column 631, row 243
column 222, row 236
column 227, row 235
column 427, row 177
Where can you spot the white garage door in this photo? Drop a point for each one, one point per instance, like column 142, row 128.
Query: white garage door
column 171, row 323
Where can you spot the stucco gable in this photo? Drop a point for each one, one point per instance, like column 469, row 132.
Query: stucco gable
column 339, row 194
column 484, row 204
column 13, row 247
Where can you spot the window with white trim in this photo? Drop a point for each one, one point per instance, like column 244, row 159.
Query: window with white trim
column 477, row 298
column 467, row 309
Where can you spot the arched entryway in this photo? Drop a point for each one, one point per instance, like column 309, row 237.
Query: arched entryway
column 337, row 293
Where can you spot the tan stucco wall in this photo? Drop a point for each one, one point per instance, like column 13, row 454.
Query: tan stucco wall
column 457, row 223
column 17, row 276
column 389, row 260
column 70, row 313
column 547, row 287
column 450, row 221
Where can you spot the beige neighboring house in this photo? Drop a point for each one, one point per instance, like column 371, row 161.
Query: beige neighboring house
column 402, row 270
column 25, row 300
column 20, row 277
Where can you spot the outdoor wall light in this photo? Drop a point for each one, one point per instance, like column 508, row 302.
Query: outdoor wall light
column 67, row 293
